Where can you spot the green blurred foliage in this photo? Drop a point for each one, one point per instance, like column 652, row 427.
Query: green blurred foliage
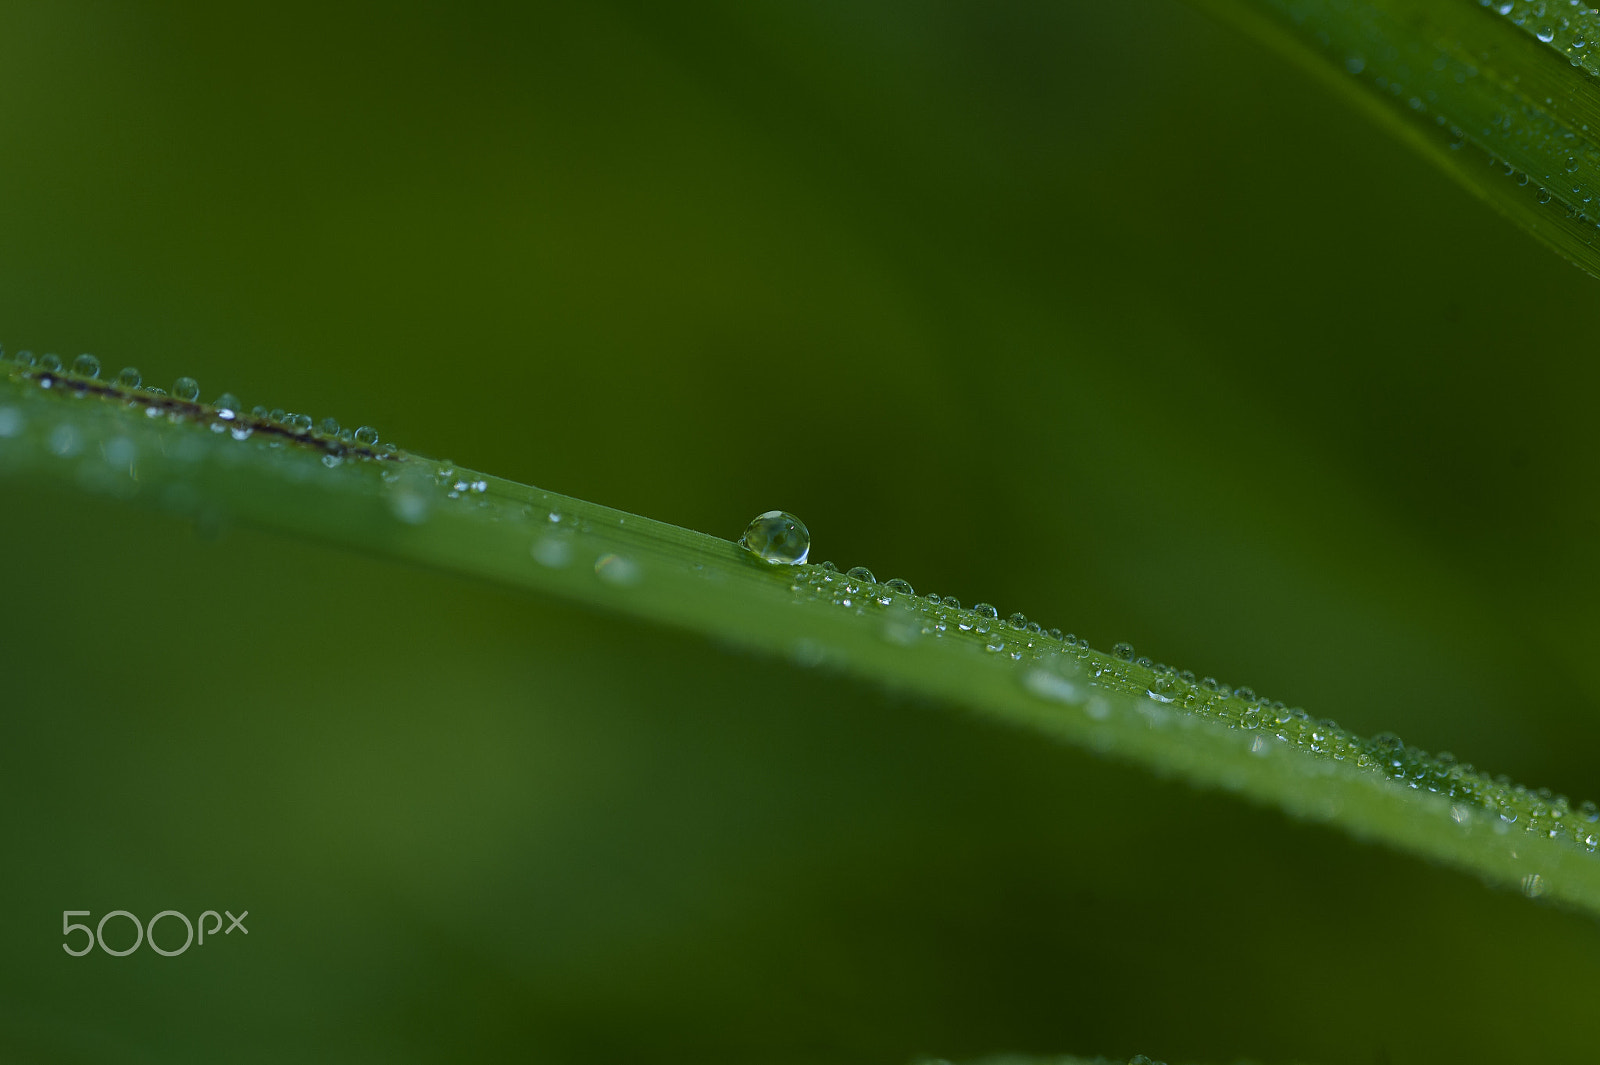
column 851, row 260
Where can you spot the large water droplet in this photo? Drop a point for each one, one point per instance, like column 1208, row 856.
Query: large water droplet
column 1123, row 651
column 129, row 377
column 50, row 362
column 986, row 610
column 330, row 426
column 186, row 388
column 86, row 365
column 861, row 573
column 367, row 435
column 228, row 406
column 777, row 537
column 895, row 584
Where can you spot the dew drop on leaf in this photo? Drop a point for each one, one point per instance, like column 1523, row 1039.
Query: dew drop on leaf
column 129, row 377
column 186, row 388
column 777, row 537
column 86, row 366
column 617, row 569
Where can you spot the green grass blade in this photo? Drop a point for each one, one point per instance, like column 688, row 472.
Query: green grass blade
column 193, row 459
column 1503, row 96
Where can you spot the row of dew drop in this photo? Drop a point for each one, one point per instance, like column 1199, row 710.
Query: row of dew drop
column 782, row 539
column 229, row 413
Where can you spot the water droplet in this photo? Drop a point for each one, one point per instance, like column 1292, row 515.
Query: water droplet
column 186, row 388
column 897, row 585
column 50, row 362
column 228, row 406
column 86, row 365
column 616, row 569
column 23, row 358
column 1355, row 64
column 129, row 377
column 552, row 551
column 1544, row 195
column 65, row 440
column 1123, row 650
column 11, row 422
column 952, row 602
column 241, row 431
column 367, row 435
column 1019, row 620
column 1533, row 885
column 330, row 426
column 985, row 610
column 861, row 573
column 331, row 461
column 258, row 411
column 120, row 451
column 300, row 423
column 1048, row 685
column 1545, row 34
column 409, row 506
column 1055, row 634
column 777, row 537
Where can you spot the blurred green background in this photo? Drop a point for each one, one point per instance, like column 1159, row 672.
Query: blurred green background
column 1098, row 312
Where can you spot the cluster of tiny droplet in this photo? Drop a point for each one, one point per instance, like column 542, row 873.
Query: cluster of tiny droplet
column 224, row 414
column 1422, row 74
column 1017, row 638
column 1569, row 26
